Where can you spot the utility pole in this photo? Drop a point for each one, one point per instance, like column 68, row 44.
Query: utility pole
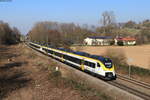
column 47, row 43
column 129, row 71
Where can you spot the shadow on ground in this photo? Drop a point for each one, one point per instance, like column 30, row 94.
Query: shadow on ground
column 6, row 53
column 12, row 78
column 3, row 49
column 11, row 65
column 11, row 83
column 12, row 75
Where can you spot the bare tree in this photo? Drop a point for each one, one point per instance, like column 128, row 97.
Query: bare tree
column 7, row 34
column 108, row 18
column 58, row 34
column 16, row 34
column 108, row 22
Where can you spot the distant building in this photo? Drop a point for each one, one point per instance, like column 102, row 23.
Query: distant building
column 99, row 40
column 125, row 41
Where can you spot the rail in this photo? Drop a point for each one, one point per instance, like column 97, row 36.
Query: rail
column 134, row 81
column 131, row 90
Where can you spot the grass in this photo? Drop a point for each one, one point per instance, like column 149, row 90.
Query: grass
column 135, row 70
column 140, row 71
column 39, row 63
column 86, row 91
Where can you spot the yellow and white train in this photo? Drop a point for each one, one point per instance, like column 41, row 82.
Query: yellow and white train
column 97, row 65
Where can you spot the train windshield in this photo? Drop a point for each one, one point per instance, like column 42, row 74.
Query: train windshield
column 108, row 63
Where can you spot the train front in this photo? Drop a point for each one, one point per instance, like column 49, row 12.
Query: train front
column 108, row 69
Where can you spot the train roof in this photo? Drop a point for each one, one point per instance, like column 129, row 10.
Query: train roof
column 75, row 52
column 101, row 58
column 82, row 53
column 67, row 50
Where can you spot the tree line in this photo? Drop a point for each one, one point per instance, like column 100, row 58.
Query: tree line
column 66, row 34
column 8, row 35
column 58, row 34
column 109, row 27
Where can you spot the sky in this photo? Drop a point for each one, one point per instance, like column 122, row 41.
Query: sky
column 23, row 14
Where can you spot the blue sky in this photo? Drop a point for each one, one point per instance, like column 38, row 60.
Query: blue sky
column 23, row 14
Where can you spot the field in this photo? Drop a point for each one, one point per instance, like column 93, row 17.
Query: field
column 136, row 55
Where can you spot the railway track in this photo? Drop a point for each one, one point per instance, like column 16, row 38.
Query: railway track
column 131, row 80
column 136, row 91
column 131, row 90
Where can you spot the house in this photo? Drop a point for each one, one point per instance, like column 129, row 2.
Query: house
column 99, row 40
column 125, row 41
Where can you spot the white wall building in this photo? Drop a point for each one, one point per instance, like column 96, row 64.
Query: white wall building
column 98, row 40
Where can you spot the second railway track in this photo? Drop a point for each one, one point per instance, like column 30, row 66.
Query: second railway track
column 138, row 88
column 131, row 90
column 131, row 80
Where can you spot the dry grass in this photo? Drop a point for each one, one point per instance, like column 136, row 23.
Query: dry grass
column 139, row 54
column 87, row 92
column 120, row 61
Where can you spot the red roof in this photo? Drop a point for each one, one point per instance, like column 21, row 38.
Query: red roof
column 126, row 39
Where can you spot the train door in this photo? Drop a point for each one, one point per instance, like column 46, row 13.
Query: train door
column 93, row 66
column 82, row 65
column 97, row 68
column 62, row 57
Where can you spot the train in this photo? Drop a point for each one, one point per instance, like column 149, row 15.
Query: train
column 99, row 66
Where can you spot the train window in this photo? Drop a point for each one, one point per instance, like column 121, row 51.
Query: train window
column 68, row 58
column 92, row 65
column 54, row 52
column 73, row 59
column 50, row 51
column 57, row 54
column 98, row 65
column 77, row 60
column 45, row 49
column 87, row 63
column 65, row 57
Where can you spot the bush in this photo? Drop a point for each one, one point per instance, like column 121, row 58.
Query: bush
column 55, row 74
column 139, row 71
column 56, row 79
column 117, row 56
